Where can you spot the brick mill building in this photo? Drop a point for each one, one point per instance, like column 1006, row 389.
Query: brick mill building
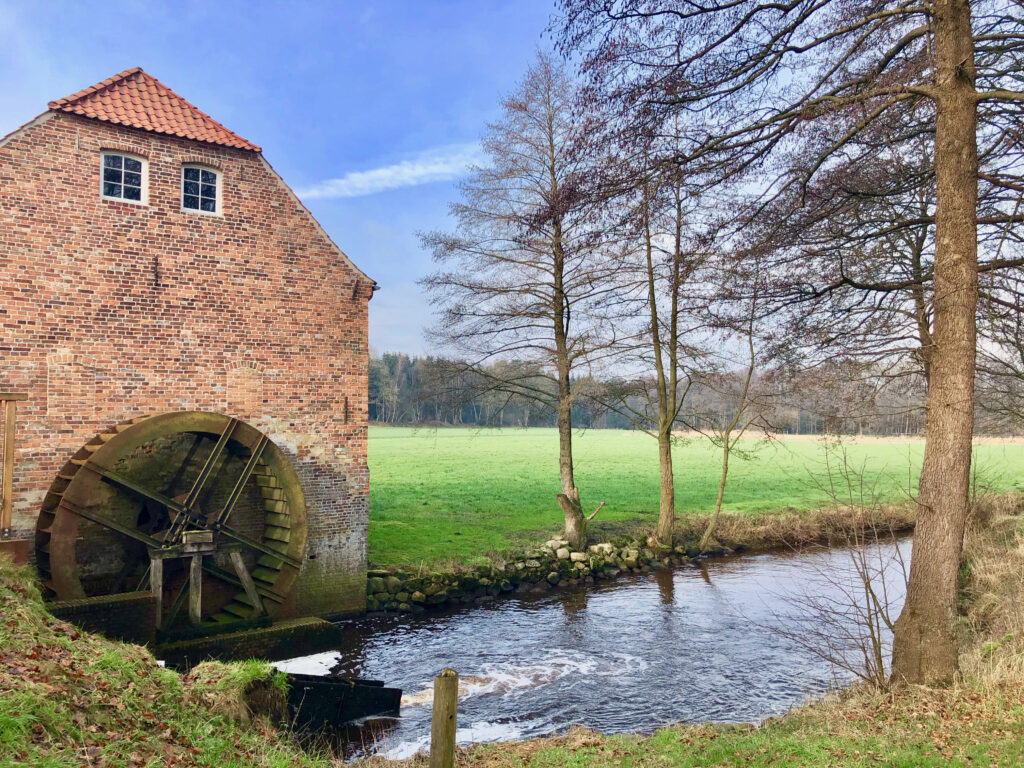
column 194, row 351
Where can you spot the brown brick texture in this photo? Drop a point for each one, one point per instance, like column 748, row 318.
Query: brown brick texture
column 111, row 310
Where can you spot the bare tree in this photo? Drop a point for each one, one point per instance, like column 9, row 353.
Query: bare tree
column 661, row 297
column 745, row 412
column 523, row 274
column 755, row 79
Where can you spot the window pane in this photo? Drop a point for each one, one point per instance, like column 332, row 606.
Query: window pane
column 209, row 177
column 112, row 175
column 132, row 193
column 133, row 179
column 209, row 205
column 209, row 190
column 111, row 190
column 190, row 201
column 131, row 164
column 191, row 188
column 192, row 174
column 112, row 161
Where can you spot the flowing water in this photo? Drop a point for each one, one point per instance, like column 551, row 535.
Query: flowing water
column 707, row 642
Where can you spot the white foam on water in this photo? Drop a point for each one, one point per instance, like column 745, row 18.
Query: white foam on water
column 474, row 733
column 317, row 664
column 510, row 679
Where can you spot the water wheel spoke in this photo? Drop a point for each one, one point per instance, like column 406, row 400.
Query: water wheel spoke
column 211, row 461
column 138, row 488
column 111, row 523
column 259, row 546
column 236, row 492
column 232, row 579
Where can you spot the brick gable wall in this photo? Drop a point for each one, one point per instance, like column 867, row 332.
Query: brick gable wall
column 111, row 310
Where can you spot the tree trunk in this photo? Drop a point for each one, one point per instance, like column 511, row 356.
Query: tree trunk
column 667, row 501
column 575, row 530
column 924, row 645
column 709, row 532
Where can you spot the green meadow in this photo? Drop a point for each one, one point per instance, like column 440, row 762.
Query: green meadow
column 459, row 493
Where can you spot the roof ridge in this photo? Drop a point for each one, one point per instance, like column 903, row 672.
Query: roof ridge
column 136, row 99
column 58, row 103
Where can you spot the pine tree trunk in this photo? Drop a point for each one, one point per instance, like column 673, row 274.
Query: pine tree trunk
column 924, row 645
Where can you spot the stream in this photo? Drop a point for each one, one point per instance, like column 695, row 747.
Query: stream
column 724, row 640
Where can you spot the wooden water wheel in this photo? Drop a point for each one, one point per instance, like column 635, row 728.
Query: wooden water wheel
column 146, row 486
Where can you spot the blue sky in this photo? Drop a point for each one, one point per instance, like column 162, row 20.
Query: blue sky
column 370, row 111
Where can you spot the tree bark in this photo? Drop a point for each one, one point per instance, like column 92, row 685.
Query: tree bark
column 667, row 499
column 924, row 645
column 709, row 532
column 575, row 529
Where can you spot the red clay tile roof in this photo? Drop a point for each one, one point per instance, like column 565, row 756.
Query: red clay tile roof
column 138, row 100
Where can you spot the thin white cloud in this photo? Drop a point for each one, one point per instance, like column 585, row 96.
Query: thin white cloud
column 438, row 164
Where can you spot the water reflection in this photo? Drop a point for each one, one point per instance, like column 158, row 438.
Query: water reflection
column 694, row 643
column 666, row 582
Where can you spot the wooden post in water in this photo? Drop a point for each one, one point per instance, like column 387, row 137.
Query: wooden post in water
column 442, row 726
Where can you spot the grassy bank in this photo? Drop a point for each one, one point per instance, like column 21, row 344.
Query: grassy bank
column 457, row 494
column 71, row 699
column 979, row 722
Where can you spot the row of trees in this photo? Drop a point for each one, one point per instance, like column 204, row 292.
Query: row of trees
column 745, row 189
column 434, row 391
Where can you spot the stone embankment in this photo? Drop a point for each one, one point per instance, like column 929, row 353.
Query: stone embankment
column 551, row 566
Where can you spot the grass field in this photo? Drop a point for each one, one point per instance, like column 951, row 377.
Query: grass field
column 456, row 494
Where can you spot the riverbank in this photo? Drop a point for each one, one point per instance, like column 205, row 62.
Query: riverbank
column 554, row 565
column 442, row 498
column 979, row 721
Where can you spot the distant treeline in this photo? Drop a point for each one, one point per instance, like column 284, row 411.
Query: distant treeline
column 431, row 390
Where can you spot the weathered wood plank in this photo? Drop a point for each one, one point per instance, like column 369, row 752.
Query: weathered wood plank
column 156, row 586
column 442, row 724
column 247, row 583
column 195, row 590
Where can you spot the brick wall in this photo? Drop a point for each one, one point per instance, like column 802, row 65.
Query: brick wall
column 130, row 617
column 111, row 310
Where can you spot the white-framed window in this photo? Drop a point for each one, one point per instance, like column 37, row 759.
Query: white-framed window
column 122, row 177
column 200, row 189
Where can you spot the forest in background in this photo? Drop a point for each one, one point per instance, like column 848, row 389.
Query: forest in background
column 434, row 391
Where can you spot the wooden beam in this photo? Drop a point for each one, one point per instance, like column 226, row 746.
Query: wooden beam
column 236, row 492
column 13, row 396
column 7, row 491
column 195, row 591
column 247, row 583
column 156, row 584
column 259, row 546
